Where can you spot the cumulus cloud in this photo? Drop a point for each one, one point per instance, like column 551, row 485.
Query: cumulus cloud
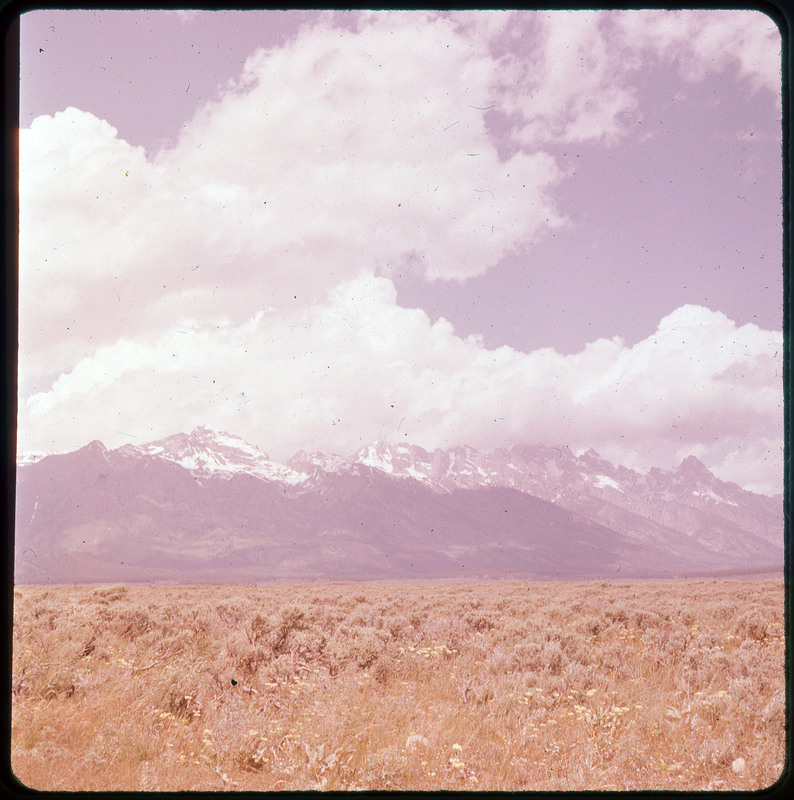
column 374, row 143
column 379, row 371
column 339, row 150
column 344, row 149
column 241, row 277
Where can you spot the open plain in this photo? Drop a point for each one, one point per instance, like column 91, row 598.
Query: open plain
column 459, row 686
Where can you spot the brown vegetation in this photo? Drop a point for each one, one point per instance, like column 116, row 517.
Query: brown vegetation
column 443, row 686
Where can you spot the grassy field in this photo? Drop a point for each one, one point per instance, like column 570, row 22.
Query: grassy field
column 553, row 686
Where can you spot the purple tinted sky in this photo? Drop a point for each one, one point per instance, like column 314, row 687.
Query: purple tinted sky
column 687, row 216
column 144, row 72
column 650, row 143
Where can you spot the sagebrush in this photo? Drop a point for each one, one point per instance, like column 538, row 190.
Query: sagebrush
column 513, row 686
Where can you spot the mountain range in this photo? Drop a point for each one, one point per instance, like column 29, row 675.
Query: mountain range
column 210, row 507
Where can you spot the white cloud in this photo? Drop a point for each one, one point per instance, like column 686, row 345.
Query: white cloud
column 755, row 465
column 358, row 367
column 572, row 88
column 341, row 150
column 234, row 278
column 708, row 42
column 570, row 76
column 336, row 152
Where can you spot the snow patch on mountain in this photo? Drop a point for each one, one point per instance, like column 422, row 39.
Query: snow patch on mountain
column 604, row 480
column 327, row 462
column 207, row 452
column 714, row 496
column 30, row 457
column 376, row 456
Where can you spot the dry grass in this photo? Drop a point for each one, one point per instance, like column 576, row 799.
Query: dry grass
column 445, row 686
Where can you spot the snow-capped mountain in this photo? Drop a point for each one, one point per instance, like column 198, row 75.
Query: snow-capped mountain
column 687, row 498
column 209, row 502
column 208, row 452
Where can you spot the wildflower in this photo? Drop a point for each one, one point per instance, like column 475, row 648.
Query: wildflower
column 590, row 692
column 457, row 747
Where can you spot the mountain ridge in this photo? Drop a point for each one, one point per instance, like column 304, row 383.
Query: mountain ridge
column 209, row 499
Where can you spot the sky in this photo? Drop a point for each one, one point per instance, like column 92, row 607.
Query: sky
column 320, row 229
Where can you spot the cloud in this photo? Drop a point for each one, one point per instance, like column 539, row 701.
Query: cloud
column 367, row 147
column 571, row 76
column 241, row 277
column 708, row 42
column 755, row 465
column 358, row 367
column 338, row 151
column 363, row 144
column 571, row 87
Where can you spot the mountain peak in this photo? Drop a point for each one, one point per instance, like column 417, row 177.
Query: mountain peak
column 202, row 431
column 95, row 446
column 214, row 439
column 693, row 466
